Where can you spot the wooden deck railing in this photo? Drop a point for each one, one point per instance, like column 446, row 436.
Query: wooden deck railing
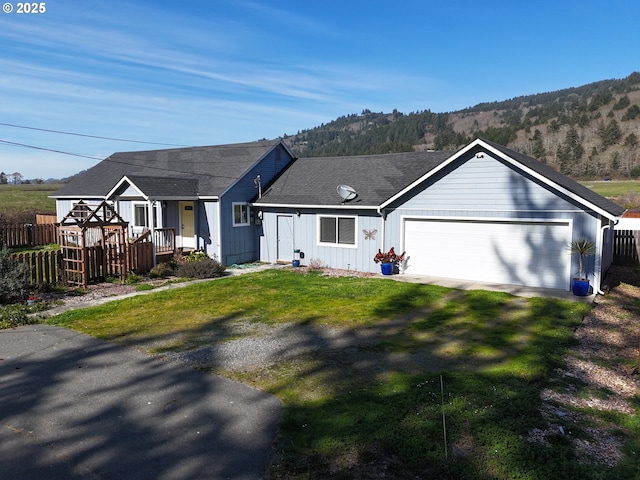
column 164, row 239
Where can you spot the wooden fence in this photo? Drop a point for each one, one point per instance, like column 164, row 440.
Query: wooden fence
column 28, row 235
column 46, row 219
column 47, row 267
column 626, row 247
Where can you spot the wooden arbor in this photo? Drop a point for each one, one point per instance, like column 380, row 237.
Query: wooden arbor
column 93, row 243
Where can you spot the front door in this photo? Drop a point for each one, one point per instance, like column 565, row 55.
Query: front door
column 285, row 238
column 187, row 225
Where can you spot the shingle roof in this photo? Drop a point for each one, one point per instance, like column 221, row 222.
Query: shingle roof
column 560, row 179
column 166, row 186
column 376, row 178
column 213, row 169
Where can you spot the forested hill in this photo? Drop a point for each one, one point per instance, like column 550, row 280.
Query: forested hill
column 591, row 131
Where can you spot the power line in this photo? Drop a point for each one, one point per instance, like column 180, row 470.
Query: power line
column 112, row 160
column 90, row 136
column 50, row 150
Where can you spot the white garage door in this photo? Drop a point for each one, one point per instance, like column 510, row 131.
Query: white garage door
column 532, row 253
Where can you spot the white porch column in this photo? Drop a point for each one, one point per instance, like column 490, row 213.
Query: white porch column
column 151, row 223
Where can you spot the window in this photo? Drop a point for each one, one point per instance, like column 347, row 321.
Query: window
column 141, row 215
column 240, row 214
column 80, row 210
column 337, row 230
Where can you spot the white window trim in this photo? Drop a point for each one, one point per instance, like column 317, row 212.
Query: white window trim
column 233, row 214
column 338, row 245
column 133, row 214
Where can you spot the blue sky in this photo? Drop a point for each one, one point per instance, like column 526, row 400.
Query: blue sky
column 214, row 71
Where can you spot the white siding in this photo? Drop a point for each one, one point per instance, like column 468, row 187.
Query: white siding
column 208, row 234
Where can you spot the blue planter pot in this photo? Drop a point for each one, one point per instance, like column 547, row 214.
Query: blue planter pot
column 387, row 268
column 580, row 288
column 295, row 263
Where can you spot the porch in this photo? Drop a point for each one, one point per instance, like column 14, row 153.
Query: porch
column 163, row 239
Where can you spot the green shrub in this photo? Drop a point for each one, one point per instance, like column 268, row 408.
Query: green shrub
column 14, row 278
column 133, row 279
column 164, row 269
column 197, row 256
column 205, row 268
column 15, row 315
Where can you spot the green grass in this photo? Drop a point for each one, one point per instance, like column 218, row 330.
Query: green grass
column 27, row 198
column 614, row 188
column 359, row 414
column 624, row 192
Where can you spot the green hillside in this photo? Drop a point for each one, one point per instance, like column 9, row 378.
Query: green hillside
column 586, row 132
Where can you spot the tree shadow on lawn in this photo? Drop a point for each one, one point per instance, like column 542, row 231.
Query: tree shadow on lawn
column 366, row 400
column 384, row 413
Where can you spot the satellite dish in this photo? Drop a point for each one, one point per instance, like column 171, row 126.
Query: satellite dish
column 346, row 192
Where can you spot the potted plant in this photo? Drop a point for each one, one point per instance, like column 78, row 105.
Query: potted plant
column 583, row 248
column 389, row 261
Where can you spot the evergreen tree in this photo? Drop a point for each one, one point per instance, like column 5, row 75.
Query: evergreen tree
column 609, row 134
column 14, row 277
column 632, row 113
column 623, row 103
column 631, row 141
column 538, row 146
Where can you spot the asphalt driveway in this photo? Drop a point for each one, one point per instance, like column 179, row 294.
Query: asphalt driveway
column 72, row 406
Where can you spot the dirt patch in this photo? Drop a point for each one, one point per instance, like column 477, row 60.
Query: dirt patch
column 79, row 296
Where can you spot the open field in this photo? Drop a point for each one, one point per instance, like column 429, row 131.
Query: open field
column 27, row 198
column 368, row 368
column 624, row 192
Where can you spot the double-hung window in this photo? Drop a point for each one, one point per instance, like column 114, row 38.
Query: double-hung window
column 335, row 230
column 141, row 215
column 240, row 214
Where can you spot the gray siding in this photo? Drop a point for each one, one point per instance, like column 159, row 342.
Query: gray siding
column 305, row 238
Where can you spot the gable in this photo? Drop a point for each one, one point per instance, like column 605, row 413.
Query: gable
column 539, row 173
column 554, row 178
column 485, row 183
column 156, row 188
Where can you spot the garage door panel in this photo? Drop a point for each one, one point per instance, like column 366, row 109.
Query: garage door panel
column 517, row 252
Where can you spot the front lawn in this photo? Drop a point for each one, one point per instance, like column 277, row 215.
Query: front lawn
column 404, row 380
